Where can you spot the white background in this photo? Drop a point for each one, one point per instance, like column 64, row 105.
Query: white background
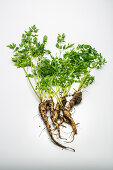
column 83, row 21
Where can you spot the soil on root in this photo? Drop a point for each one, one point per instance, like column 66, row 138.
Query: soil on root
column 63, row 100
column 76, row 99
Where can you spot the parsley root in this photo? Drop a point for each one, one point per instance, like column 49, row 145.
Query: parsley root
column 67, row 115
column 43, row 111
column 76, row 99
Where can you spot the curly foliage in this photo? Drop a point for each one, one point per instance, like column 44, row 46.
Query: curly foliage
column 74, row 65
column 29, row 47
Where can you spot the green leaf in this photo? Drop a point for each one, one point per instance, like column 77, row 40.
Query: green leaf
column 11, row 46
column 29, row 75
column 45, row 39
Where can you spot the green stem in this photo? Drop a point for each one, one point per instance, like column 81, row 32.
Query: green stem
column 40, row 91
column 83, row 81
column 33, row 73
column 31, row 84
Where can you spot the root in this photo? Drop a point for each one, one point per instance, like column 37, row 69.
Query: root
column 51, row 107
column 58, row 116
column 42, row 131
column 54, row 115
column 36, row 115
column 67, row 114
column 63, row 100
column 43, row 111
column 76, row 99
column 62, row 146
column 55, row 119
column 67, row 118
column 71, row 140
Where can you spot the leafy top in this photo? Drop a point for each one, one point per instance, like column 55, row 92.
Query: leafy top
column 73, row 65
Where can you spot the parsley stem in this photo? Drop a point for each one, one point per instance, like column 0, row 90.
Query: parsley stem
column 31, row 84
column 83, row 81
